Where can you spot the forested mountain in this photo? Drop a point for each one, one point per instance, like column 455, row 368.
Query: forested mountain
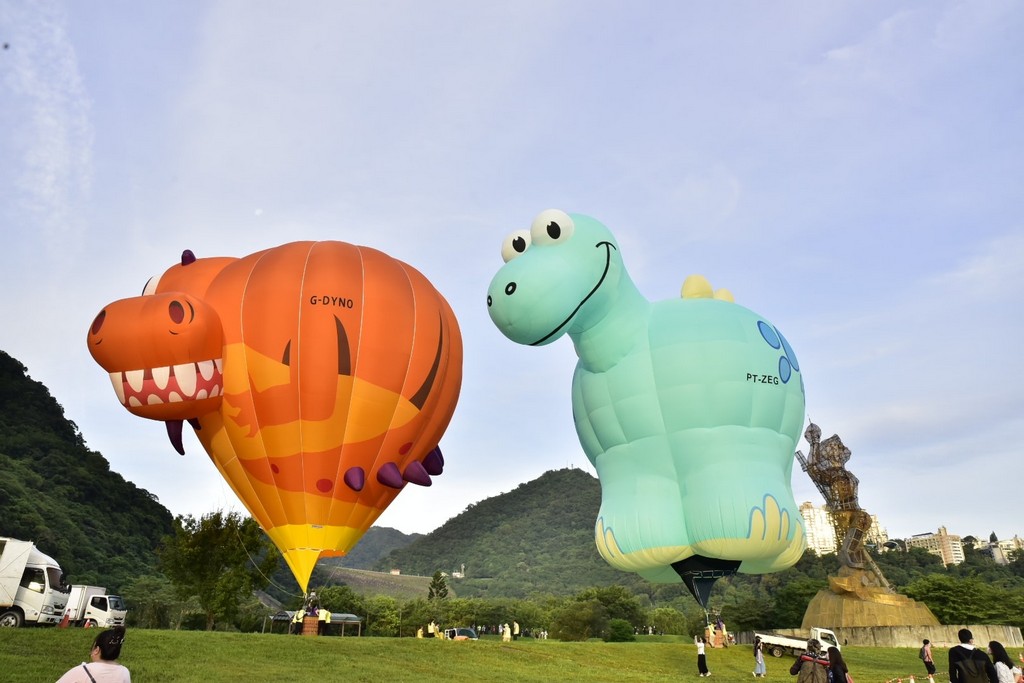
column 538, row 538
column 378, row 542
column 53, row 490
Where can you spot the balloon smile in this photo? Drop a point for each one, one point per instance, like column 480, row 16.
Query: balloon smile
column 607, row 263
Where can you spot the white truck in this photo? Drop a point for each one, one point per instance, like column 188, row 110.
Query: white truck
column 777, row 645
column 32, row 589
column 91, row 606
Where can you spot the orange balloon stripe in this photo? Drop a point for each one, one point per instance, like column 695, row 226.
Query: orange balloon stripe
column 388, row 325
column 269, row 324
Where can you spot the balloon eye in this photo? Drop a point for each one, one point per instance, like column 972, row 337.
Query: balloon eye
column 551, row 227
column 176, row 311
column 98, row 322
column 515, row 244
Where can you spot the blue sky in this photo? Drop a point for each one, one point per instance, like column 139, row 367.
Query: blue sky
column 850, row 170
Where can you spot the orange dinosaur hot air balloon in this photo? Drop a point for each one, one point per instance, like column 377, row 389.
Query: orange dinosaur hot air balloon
column 319, row 376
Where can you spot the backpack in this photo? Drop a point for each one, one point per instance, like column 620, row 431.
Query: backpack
column 920, row 654
column 971, row 671
column 818, row 671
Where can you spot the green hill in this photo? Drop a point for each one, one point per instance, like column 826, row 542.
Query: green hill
column 363, row 582
column 376, row 543
column 61, row 495
column 538, row 538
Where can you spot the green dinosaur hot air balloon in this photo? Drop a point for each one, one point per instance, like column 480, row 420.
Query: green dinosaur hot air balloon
column 689, row 409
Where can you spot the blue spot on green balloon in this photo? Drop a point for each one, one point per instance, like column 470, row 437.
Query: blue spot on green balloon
column 769, row 334
column 785, row 370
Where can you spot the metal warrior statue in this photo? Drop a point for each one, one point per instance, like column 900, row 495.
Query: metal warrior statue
column 826, row 466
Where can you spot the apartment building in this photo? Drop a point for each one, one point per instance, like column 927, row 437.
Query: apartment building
column 949, row 547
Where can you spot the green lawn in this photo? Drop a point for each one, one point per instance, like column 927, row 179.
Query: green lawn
column 39, row 655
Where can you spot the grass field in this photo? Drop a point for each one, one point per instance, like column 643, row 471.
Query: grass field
column 39, row 655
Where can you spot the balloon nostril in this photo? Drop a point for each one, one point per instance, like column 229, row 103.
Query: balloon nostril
column 510, row 288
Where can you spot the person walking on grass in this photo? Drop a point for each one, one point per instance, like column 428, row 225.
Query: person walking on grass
column 702, row 662
column 926, row 656
column 759, row 668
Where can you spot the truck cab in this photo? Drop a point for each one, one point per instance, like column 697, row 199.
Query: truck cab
column 826, row 637
column 32, row 589
column 91, row 606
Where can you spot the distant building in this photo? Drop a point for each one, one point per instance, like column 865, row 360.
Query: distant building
column 1015, row 543
column 821, row 535
column 998, row 550
column 877, row 535
column 396, row 572
column 947, row 546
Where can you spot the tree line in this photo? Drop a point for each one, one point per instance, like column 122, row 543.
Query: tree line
column 210, row 569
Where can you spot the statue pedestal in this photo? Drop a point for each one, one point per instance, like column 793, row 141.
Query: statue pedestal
column 854, row 598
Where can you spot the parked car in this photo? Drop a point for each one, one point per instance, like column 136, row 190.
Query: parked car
column 461, row 633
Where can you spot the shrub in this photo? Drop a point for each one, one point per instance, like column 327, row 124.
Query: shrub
column 619, row 631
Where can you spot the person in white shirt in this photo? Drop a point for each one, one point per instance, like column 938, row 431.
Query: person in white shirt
column 104, row 667
column 702, row 662
column 1005, row 669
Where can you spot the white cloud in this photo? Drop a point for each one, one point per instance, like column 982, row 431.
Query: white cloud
column 54, row 152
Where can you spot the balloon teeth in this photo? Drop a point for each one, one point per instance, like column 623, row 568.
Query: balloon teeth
column 135, row 378
column 185, row 374
column 118, row 383
column 206, row 368
column 161, row 376
column 169, row 383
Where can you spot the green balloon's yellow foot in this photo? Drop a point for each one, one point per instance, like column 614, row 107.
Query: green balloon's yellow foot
column 774, row 541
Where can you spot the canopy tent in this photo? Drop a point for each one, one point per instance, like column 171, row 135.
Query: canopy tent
column 339, row 620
